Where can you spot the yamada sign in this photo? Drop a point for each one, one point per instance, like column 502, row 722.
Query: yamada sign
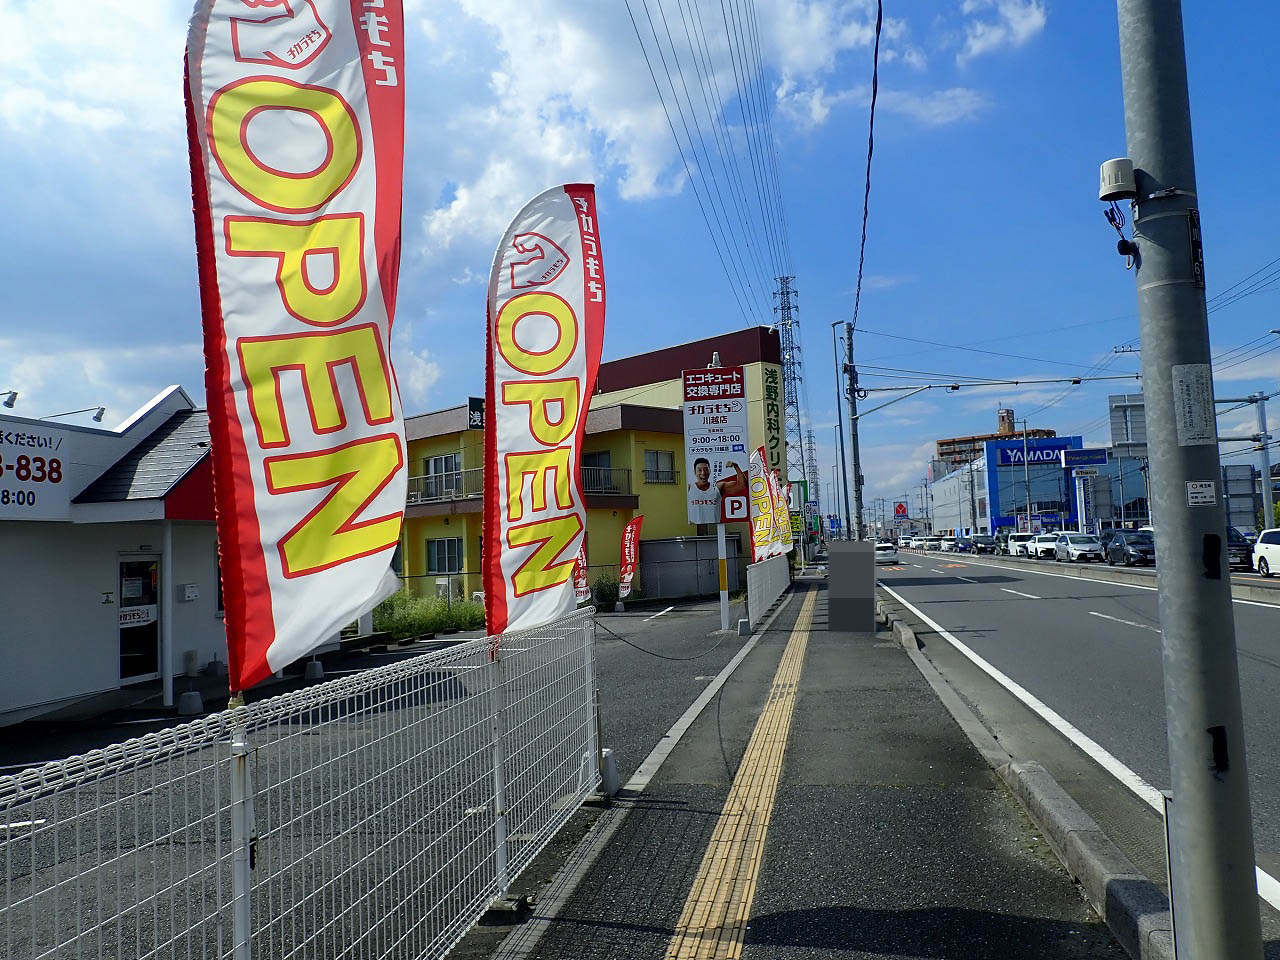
column 1041, row 454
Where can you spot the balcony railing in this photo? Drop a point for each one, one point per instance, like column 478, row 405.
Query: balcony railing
column 661, row 476
column 456, row 485
column 461, row 484
column 606, row 480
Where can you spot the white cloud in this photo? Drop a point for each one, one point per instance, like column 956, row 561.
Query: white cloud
column 51, row 377
column 416, row 370
column 1013, row 24
column 938, row 107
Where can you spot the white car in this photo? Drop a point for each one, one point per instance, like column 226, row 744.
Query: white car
column 948, row 545
column 1042, row 545
column 933, row 543
column 1078, row 548
column 886, row 552
column 1266, row 552
column 1017, row 545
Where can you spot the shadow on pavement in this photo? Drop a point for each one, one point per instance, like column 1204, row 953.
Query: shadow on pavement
column 936, row 932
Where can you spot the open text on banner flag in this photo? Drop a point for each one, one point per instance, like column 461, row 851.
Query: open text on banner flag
column 762, row 515
column 295, row 119
column 629, row 554
column 545, row 330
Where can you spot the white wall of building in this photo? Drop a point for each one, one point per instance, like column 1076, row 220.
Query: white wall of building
column 958, row 500
column 58, row 639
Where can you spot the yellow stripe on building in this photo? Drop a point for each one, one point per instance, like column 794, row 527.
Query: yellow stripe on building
column 715, row 915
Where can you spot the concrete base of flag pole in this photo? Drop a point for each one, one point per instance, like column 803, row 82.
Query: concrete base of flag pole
column 190, row 704
column 617, row 607
column 313, row 671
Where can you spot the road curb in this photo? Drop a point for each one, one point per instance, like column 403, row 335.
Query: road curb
column 1134, row 909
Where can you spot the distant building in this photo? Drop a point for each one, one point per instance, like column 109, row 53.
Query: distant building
column 958, row 451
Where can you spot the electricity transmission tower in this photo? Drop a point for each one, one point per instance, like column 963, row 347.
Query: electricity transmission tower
column 792, row 382
column 815, row 484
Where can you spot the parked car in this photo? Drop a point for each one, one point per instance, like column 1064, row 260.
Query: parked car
column 933, row 543
column 1266, row 552
column 1042, row 545
column 886, row 552
column 917, row 543
column 1077, row 548
column 1131, row 547
column 1016, row 545
column 1239, row 550
column 983, row 544
column 948, row 545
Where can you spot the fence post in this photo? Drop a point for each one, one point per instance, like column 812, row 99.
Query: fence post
column 593, row 695
column 242, row 830
column 498, row 734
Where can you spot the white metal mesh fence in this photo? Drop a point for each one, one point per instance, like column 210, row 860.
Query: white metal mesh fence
column 376, row 815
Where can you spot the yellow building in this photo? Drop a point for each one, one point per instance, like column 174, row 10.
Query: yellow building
column 632, row 462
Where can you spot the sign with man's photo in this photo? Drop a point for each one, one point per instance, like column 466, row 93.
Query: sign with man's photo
column 715, row 444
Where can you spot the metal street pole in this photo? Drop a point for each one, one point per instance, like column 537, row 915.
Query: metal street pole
column 1264, row 455
column 1026, row 472
column 1215, row 892
column 835, row 352
column 852, row 386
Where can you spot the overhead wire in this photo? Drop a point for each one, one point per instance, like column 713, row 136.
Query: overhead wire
column 685, row 160
column 707, row 171
column 871, row 143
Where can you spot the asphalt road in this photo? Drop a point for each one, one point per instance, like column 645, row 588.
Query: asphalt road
column 1090, row 650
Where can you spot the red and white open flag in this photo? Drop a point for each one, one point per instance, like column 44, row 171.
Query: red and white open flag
column 295, row 118
column 545, row 332
column 629, row 555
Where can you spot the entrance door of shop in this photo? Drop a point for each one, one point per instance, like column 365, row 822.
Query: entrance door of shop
column 139, row 619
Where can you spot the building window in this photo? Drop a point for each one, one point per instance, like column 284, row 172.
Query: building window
column 444, row 475
column 659, row 466
column 444, row 555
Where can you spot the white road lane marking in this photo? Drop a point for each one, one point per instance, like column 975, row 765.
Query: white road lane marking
column 1109, row 583
column 1268, row 886
column 1127, row 623
column 658, row 614
column 1029, row 596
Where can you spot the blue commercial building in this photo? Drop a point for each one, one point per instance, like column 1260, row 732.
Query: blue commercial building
column 991, row 494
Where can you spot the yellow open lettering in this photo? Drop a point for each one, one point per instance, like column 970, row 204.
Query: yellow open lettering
column 537, row 465
column 331, row 534
column 232, row 109
column 542, row 397
column 544, row 567
column 315, row 357
column 538, row 363
column 337, row 239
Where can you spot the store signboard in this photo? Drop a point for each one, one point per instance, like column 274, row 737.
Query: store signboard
column 33, row 465
column 715, row 444
column 1087, row 457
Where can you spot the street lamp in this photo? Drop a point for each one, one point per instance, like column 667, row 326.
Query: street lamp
column 98, row 413
column 10, row 398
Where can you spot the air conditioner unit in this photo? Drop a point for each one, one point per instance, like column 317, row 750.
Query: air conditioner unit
column 442, row 587
column 477, row 596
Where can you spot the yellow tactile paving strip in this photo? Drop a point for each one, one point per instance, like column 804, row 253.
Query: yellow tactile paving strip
column 715, row 914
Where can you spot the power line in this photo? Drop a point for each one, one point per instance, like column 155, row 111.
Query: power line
column 956, row 346
column 871, row 143
column 688, row 172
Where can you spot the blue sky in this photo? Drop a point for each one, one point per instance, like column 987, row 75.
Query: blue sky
column 984, row 230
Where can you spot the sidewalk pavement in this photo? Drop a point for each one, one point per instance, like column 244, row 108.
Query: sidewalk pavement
column 825, row 805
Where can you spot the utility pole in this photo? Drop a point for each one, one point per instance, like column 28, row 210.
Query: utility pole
column 1212, row 868
column 1264, row 454
column 851, row 388
column 835, row 351
column 1026, row 472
